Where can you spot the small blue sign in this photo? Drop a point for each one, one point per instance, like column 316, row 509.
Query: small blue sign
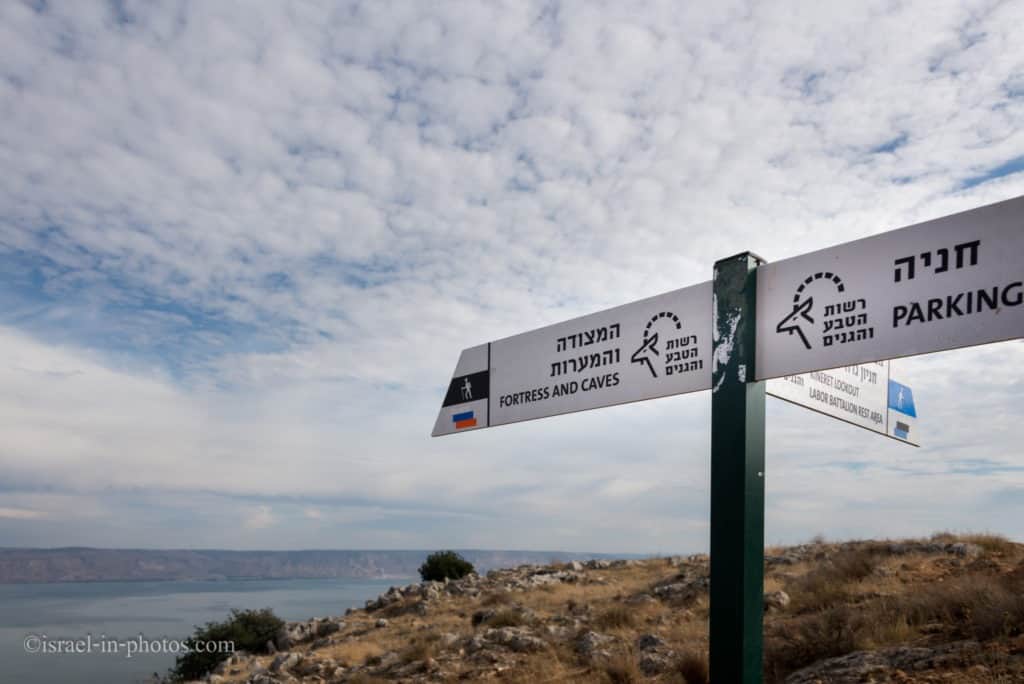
column 901, row 399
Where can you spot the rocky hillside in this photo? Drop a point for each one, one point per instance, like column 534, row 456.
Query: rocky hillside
column 945, row 609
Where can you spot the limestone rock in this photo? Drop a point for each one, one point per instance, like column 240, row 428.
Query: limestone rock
column 518, row 639
column 594, row 645
column 964, row 550
column 307, row 667
column 263, row 679
column 294, row 633
column 862, row 666
column 558, row 632
column 284, row 661
column 431, row 590
column 776, row 600
column 654, row 663
column 686, row 590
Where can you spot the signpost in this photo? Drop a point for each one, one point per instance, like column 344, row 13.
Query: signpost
column 948, row 283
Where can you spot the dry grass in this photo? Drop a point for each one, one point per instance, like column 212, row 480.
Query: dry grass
column 495, row 598
column 398, row 609
column 972, row 606
column 690, row 632
column 978, row 607
column 832, row 583
column 357, row 652
column 559, row 664
column 506, row 618
column 692, row 668
column 809, row 639
column 614, row 617
column 884, row 628
column 624, row 581
column 363, row 678
column 421, row 647
column 622, row 669
column 990, row 542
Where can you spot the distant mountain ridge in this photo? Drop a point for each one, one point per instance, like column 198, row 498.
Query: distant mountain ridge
column 83, row 564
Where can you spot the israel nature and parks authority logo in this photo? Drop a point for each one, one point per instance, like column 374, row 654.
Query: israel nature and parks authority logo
column 823, row 314
column 664, row 333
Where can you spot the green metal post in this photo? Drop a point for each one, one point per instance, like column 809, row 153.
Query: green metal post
column 737, row 478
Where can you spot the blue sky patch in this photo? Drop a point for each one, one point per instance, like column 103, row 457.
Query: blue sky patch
column 1005, row 169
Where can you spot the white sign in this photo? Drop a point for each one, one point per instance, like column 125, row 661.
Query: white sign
column 650, row 348
column 856, row 394
column 948, row 283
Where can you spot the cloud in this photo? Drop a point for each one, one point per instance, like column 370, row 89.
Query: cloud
column 241, row 249
column 20, row 514
column 260, row 518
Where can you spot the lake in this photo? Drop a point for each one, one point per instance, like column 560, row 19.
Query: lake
column 156, row 610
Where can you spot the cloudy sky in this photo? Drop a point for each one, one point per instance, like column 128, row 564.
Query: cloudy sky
column 242, row 245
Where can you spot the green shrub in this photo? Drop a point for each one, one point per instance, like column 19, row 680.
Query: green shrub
column 246, row 630
column 445, row 564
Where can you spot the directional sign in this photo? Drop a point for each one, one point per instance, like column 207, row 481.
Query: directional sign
column 855, row 394
column 650, row 348
column 948, row 283
column 861, row 395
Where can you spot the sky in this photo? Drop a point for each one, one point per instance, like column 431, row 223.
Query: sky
column 242, row 245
